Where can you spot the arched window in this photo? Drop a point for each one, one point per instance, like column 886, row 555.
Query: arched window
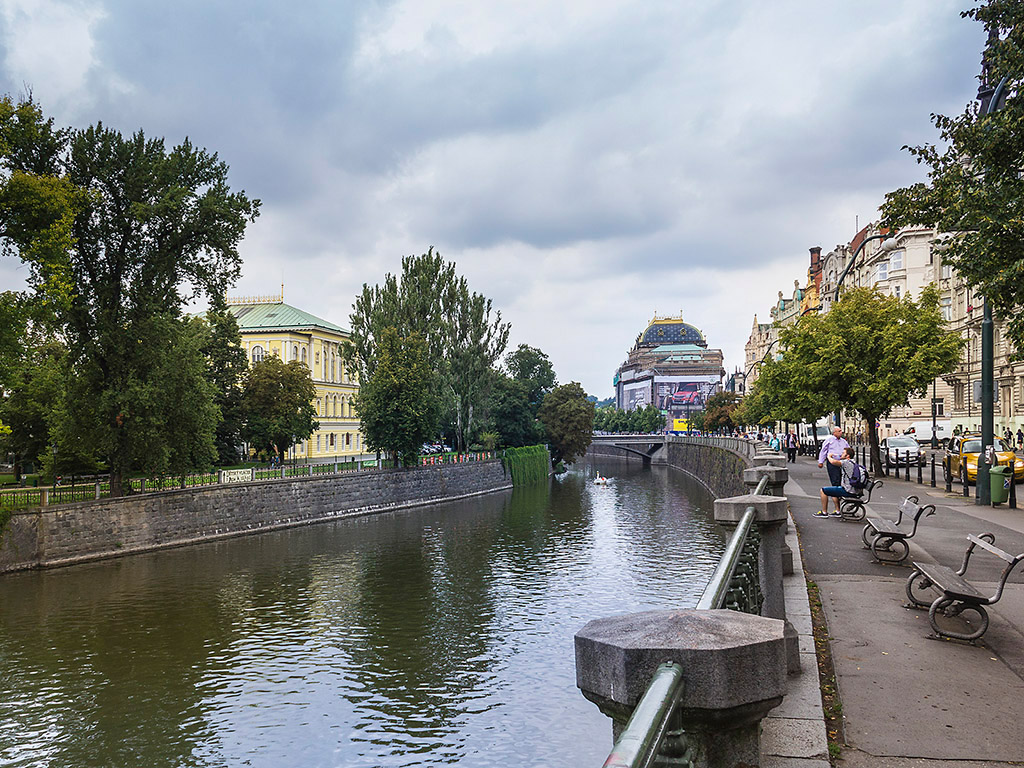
column 295, row 352
column 303, row 355
column 257, row 354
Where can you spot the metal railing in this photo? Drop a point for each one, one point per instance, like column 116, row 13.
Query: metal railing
column 99, row 488
column 652, row 735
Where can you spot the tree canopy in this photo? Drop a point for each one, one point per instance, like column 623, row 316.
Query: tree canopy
column 975, row 189
column 868, row 354
column 568, row 418
column 398, row 405
column 277, row 399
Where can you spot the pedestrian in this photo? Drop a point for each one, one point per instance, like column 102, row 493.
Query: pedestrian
column 844, row 488
column 774, row 443
column 832, row 448
column 791, row 446
column 1020, row 438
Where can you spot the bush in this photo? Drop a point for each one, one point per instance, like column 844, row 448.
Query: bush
column 527, row 465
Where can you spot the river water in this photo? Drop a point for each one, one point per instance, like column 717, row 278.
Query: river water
column 436, row 636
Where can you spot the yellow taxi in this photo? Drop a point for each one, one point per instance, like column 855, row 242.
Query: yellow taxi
column 962, row 458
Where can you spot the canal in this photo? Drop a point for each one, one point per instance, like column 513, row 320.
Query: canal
column 437, row 636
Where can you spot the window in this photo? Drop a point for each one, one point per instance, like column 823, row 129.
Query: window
column 332, row 439
column 303, row 355
column 946, row 307
column 947, row 271
column 257, row 354
column 295, row 352
column 882, row 271
column 318, row 443
column 939, row 406
column 348, row 439
column 896, row 291
column 896, row 260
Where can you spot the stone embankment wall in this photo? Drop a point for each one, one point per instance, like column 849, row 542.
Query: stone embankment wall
column 92, row 530
column 611, row 453
column 717, row 469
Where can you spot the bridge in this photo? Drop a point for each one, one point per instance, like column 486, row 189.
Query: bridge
column 649, row 448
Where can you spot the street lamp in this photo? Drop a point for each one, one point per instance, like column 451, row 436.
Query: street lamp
column 887, row 246
column 991, row 101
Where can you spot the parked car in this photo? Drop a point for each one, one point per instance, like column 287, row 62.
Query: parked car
column 962, row 458
column 901, row 450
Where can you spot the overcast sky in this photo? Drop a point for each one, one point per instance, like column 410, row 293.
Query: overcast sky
column 584, row 163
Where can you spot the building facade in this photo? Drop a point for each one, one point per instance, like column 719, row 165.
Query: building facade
column 268, row 327
column 671, row 367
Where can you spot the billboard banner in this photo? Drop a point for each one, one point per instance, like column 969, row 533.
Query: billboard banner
column 636, row 395
column 682, row 395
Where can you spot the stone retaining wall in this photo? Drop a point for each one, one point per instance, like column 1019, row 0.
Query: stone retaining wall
column 717, row 469
column 92, row 530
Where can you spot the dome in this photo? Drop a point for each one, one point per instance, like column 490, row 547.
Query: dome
column 672, row 331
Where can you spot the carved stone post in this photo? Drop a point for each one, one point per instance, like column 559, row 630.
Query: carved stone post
column 777, row 478
column 734, row 673
column 771, row 513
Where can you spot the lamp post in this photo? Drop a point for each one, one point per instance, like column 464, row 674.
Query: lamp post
column 990, row 102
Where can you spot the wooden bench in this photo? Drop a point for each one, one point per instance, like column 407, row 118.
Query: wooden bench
column 960, row 602
column 852, row 507
column 886, row 540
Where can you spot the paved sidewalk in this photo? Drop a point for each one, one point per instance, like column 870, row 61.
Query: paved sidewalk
column 909, row 700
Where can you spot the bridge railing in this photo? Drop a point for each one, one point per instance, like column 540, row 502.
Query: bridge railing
column 662, row 729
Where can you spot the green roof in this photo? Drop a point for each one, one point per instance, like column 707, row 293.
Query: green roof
column 277, row 317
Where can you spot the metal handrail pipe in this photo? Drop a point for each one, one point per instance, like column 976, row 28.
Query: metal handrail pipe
column 637, row 745
column 718, row 586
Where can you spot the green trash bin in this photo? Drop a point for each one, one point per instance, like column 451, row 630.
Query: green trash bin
column 999, row 477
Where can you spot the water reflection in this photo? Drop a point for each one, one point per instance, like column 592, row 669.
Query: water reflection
column 428, row 637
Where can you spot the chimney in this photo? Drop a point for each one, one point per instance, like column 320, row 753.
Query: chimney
column 816, row 265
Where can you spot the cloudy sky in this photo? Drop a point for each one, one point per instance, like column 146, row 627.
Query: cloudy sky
column 585, row 163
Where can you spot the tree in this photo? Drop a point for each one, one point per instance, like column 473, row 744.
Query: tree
column 568, row 418
column 719, row 411
column 510, row 413
column 398, row 405
column 226, row 368
column 130, row 233
column 869, row 354
column 277, row 403
column 532, row 368
column 975, row 187
column 463, row 335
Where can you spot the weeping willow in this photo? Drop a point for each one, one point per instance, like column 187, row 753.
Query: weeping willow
column 527, row 465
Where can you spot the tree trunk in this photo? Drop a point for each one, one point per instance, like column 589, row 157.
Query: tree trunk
column 116, row 484
column 876, row 456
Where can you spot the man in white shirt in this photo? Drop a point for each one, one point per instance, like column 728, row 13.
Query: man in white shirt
column 833, row 448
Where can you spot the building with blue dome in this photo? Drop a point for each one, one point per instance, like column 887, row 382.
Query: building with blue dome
column 671, row 366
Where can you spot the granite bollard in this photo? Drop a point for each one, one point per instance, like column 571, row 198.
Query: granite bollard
column 734, row 673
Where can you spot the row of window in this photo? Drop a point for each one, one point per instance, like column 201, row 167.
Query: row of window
column 329, row 406
column 333, row 441
column 334, row 370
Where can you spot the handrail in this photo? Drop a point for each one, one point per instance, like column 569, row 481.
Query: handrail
column 637, row 745
column 718, row 586
column 640, row 742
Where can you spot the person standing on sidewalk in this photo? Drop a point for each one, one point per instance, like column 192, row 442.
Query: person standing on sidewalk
column 844, row 488
column 791, row 445
column 833, row 448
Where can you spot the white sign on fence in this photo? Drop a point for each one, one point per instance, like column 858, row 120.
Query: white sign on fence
column 235, row 475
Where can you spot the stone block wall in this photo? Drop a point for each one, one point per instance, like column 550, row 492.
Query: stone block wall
column 93, row 530
column 717, row 469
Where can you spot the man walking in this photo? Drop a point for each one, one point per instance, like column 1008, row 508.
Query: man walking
column 833, row 448
column 791, row 445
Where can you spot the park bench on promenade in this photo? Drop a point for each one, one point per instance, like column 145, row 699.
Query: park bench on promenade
column 853, row 507
column 960, row 600
column 886, row 540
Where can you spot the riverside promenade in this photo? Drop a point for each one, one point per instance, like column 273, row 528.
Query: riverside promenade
column 909, row 700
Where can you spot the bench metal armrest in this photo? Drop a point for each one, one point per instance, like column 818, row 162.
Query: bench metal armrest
column 975, row 540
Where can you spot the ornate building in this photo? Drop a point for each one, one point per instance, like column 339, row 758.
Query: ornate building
column 270, row 327
column 670, row 366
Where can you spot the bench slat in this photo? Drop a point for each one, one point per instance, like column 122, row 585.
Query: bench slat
column 949, row 582
column 993, row 549
column 884, row 526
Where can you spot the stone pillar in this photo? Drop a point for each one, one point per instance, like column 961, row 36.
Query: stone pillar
column 777, row 478
column 97, row 490
column 771, row 514
column 44, row 497
column 766, row 458
column 733, row 674
column 282, row 471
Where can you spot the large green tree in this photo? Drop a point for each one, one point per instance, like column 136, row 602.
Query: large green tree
column 398, row 405
column 568, row 418
column 277, row 405
column 869, row 354
column 720, row 410
column 532, row 368
column 226, row 368
column 975, row 187
column 510, row 414
column 463, row 334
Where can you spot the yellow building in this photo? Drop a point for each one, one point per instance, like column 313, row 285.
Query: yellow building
column 268, row 326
